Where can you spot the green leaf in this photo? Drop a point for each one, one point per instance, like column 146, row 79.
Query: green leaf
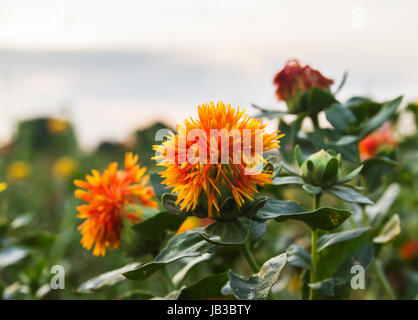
column 385, row 113
column 342, row 83
column 299, row 156
column 257, row 229
column 379, row 160
column 226, row 233
column 11, row 256
column 390, row 230
column 156, row 228
column 273, row 208
column 206, row 288
column 349, row 195
column 331, row 239
column 328, row 287
column 310, row 188
column 288, row 142
column 351, row 175
column 324, row 218
column 187, row 244
column 328, row 139
column 106, row 279
column 280, row 181
column 377, row 212
column 347, row 140
column 319, row 99
column 289, row 169
column 298, row 257
column 181, row 275
column 363, row 108
column 337, row 252
column 39, row 240
column 340, row 117
column 258, row 286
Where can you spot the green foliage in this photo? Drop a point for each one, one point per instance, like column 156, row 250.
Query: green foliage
column 258, row 286
column 186, row 244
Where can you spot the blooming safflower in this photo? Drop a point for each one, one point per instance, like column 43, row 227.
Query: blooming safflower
column 106, row 195
column 19, row 170
column 376, row 142
column 207, row 179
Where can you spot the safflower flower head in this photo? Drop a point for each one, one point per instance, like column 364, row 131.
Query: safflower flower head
column 294, row 81
column 382, row 140
column 213, row 160
column 106, row 195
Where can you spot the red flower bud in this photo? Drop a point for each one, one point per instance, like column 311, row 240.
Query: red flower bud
column 294, row 78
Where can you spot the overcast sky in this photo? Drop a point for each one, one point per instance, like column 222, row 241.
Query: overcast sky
column 173, row 55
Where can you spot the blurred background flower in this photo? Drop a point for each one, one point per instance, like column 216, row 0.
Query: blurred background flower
column 380, row 141
column 64, row 167
column 19, row 170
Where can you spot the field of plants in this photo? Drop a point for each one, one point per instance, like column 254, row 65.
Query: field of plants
column 325, row 207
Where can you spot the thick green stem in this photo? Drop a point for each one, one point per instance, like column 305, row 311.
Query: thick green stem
column 168, row 281
column 246, row 252
column 314, row 240
column 383, row 280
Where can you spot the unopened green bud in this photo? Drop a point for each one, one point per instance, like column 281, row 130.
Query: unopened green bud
column 321, row 169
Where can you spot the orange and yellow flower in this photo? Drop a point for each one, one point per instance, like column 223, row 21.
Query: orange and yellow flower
column 295, row 78
column 106, row 195
column 206, row 181
column 376, row 142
